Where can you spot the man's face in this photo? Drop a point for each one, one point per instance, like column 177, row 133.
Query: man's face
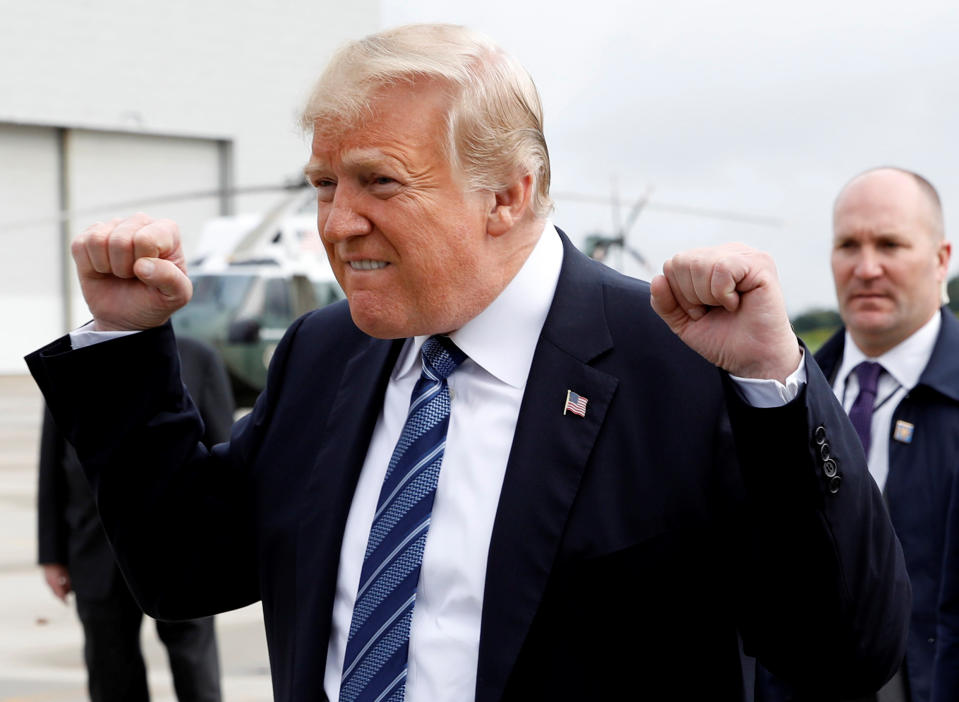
column 887, row 263
column 406, row 242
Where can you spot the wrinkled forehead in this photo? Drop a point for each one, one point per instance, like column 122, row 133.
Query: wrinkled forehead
column 406, row 122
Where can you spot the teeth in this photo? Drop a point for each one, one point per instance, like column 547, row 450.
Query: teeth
column 367, row 265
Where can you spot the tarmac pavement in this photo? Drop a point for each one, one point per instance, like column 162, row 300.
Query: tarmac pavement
column 40, row 638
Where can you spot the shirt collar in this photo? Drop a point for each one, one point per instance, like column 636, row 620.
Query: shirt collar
column 502, row 338
column 904, row 362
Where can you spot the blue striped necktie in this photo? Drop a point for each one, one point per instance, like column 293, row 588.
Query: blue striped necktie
column 374, row 668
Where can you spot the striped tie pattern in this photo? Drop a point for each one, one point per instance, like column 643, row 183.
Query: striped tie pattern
column 374, row 669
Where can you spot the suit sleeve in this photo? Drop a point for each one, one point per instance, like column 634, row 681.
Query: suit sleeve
column 208, row 383
column 177, row 514
column 52, row 528
column 217, row 403
column 824, row 595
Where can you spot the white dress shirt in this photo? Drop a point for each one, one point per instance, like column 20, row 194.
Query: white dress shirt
column 902, row 366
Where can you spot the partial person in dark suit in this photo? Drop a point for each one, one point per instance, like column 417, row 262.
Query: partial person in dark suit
column 76, row 557
column 946, row 668
column 890, row 262
column 612, row 508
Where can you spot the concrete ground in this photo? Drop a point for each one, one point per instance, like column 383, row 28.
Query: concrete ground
column 40, row 638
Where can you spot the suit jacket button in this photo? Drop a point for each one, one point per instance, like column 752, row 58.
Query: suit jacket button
column 819, row 434
column 830, row 467
column 824, row 451
column 833, row 484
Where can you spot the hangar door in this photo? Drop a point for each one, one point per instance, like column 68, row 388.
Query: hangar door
column 56, row 181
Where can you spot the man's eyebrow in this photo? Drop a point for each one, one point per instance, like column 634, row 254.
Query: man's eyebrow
column 368, row 158
column 357, row 159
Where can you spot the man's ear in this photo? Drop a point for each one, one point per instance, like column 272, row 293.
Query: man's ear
column 510, row 205
column 943, row 255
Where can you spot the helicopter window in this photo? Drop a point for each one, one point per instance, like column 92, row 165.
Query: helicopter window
column 277, row 308
column 304, row 298
column 220, row 290
column 327, row 293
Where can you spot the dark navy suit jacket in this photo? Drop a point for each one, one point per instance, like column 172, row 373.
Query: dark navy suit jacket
column 629, row 547
column 68, row 528
column 918, row 492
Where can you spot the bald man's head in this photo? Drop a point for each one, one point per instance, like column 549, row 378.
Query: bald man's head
column 900, row 178
column 890, row 257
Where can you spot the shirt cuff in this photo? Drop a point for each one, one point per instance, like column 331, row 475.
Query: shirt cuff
column 87, row 336
column 771, row 393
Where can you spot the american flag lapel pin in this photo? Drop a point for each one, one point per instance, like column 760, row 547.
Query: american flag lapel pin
column 575, row 404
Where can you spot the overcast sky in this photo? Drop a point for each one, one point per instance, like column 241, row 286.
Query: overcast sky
column 745, row 106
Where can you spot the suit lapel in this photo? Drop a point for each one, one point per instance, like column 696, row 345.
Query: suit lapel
column 327, row 500
column 548, row 456
column 829, row 355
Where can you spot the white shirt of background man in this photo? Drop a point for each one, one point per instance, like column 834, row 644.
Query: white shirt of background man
column 902, row 366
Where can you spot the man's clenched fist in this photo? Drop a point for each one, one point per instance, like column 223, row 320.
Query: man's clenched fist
column 132, row 272
column 726, row 304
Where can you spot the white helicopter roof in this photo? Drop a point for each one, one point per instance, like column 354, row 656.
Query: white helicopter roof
column 286, row 238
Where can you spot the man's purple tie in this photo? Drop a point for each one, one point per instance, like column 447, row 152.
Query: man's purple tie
column 861, row 411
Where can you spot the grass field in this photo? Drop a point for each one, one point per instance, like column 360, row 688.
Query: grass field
column 815, row 338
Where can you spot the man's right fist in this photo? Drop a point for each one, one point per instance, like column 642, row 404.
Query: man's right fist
column 132, row 272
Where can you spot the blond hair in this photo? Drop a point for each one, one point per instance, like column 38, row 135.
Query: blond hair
column 495, row 119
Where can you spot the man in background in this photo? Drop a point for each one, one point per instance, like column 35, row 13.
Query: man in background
column 895, row 369
column 76, row 557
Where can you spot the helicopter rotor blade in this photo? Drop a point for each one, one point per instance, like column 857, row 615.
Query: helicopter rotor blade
column 138, row 203
column 268, row 225
column 127, row 205
column 692, row 211
column 636, row 210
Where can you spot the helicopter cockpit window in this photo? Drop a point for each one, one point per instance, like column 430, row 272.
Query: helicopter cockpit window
column 224, row 291
column 327, row 293
column 277, row 307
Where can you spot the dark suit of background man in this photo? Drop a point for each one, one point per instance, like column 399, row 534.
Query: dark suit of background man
column 75, row 556
column 611, row 512
column 889, row 262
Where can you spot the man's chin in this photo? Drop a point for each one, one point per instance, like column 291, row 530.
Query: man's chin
column 869, row 312
column 378, row 327
column 400, row 321
column 871, row 330
column 383, row 324
column 869, row 322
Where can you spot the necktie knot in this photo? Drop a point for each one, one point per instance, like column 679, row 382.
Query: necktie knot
column 868, row 374
column 441, row 357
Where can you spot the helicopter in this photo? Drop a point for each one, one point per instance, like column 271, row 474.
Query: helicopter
column 252, row 276
column 603, row 247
